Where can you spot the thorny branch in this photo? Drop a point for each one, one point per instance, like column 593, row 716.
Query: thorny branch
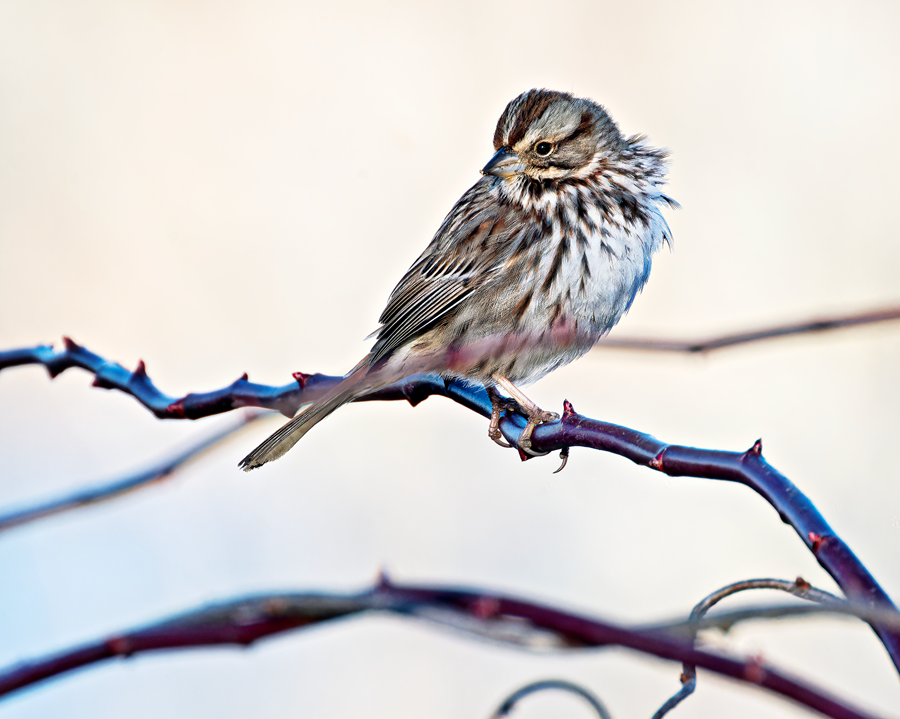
column 730, row 340
column 503, row 619
column 572, row 430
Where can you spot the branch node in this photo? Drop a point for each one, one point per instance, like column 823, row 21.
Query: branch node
column 383, row 581
column 754, row 671
column 802, row 584
column 657, row 461
column 276, row 607
column 176, row 409
column 485, row 607
column 816, row 541
column 120, row 646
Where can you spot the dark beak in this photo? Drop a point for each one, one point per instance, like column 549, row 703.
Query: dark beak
column 504, row 164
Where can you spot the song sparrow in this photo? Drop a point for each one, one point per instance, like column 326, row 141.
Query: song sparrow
column 539, row 259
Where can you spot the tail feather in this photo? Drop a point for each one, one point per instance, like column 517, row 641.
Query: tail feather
column 291, row 433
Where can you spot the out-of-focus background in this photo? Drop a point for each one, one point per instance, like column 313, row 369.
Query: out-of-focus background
column 236, row 186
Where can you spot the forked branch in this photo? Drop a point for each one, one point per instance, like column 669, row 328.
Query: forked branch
column 799, row 588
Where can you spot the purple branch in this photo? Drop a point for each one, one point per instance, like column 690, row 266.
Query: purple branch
column 498, row 617
column 573, row 430
column 748, row 468
column 241, row 393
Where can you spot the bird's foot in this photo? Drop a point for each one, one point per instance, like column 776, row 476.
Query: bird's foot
column 498, row 405
column 519, row 403
column 534, row 419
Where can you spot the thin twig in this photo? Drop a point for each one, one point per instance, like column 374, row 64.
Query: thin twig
column 799, row 588
column 730, row 340
column 501, row 618
column 546, row 684
column 119, row 487
column 572, row 430
column 724, row 621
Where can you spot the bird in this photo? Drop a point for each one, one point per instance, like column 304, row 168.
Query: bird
column 538, row 260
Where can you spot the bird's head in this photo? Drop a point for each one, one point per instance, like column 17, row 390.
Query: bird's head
column 549, row 135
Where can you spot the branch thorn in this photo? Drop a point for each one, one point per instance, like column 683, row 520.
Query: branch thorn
column 816, row 541
column 411, row 393
column 568, row 409
column 301, row 378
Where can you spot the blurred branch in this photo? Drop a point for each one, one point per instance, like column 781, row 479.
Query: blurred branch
column 730, row 340
column 559, row 684
column 131, row 483
column 572, row 430
column 504, row 619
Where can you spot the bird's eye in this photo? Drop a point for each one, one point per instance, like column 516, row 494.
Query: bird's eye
column 543, row 148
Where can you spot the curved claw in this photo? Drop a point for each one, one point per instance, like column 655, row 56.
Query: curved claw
column 534, row 419
column 564, row 456
column 495, row 435
column 525, row 446
column 518, row 403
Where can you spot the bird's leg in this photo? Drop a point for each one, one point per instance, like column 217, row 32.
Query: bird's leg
column 498, row 404
column 534, row 413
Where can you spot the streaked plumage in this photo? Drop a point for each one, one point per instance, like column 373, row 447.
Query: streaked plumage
column 538, row 260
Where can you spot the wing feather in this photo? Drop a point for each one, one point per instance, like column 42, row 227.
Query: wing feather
column 468, row 249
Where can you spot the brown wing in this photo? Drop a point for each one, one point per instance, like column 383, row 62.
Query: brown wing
column 466, row 252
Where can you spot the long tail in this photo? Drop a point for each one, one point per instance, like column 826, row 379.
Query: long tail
column 291, row 433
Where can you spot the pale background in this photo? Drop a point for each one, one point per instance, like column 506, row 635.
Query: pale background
column 236, row 186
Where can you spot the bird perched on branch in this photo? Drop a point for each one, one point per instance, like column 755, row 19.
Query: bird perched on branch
column 536, row 262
